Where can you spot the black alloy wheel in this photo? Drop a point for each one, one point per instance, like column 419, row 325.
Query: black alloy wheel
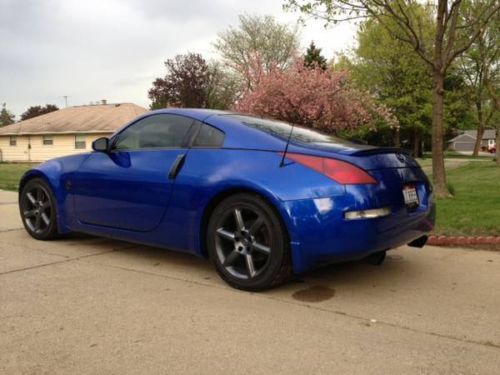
column 37, row 209
column 248, row 244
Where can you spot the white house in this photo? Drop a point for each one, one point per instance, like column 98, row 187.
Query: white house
column 66, row 131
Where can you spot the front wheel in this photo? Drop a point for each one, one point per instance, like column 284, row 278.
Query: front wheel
column 38, row 210
column 248, row 244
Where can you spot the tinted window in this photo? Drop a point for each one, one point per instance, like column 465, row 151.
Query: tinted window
column 282, row 130
column 208, row 136
column 157, row 131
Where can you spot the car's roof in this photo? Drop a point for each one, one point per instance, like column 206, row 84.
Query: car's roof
column 238, row 135
column 197, row 113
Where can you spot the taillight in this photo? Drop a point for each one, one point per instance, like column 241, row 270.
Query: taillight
column 339, row 171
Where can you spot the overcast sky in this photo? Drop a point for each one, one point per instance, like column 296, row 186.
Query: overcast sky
column 113, row 49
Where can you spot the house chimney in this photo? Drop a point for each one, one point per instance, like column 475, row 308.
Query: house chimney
column 104, row 101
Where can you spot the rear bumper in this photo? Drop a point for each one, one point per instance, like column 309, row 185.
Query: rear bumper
column 320, row 234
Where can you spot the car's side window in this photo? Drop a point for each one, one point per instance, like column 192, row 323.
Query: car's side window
column 208, row 136
column 157, row 131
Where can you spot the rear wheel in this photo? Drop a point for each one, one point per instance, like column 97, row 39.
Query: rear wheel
column 38, row 210
column 248, row 244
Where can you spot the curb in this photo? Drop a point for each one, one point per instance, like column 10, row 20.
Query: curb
column 461, row 240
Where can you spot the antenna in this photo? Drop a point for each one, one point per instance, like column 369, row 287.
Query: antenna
column 282, row 164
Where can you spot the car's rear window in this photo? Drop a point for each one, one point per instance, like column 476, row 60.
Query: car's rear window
column 282, row 130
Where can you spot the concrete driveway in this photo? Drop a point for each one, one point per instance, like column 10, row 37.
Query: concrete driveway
column 94, row 306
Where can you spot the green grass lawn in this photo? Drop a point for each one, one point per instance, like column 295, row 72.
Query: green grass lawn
column 10, row 173
column 456, row 155
column 475, row 207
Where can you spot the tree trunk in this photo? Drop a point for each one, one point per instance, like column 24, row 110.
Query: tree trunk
column 397, row 137
column 438, row 171
column 416, row 143
column 497, row 145
column 480, row 129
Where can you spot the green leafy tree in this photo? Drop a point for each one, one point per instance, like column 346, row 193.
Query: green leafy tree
column 273, row 44
column 479, row 66
column 389, row 69
column 223, row 88
column 313, row 57
column 6, row 117
column 452, row 35
column 493, row 88
column 38, row 110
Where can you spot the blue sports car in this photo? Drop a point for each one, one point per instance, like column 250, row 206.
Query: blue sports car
column 261, row 199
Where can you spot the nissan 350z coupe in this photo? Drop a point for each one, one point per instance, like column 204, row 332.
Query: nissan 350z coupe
column 231, row 188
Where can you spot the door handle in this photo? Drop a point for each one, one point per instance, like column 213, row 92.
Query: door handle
column 176, row 166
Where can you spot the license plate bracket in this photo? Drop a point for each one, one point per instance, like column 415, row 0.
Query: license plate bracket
column 410, row 196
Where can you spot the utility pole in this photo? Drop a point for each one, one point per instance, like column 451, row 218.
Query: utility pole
column 66, row 100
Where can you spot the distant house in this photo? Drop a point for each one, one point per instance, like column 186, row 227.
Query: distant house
column 66, row 131
column 465, row 142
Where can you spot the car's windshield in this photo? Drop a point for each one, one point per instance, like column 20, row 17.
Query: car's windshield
column 282, row 129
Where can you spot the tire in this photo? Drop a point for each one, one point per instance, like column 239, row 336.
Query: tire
column 376, row 259
column 248, row 244
column 38, row 210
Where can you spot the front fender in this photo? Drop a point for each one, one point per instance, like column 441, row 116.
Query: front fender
column 56, row 173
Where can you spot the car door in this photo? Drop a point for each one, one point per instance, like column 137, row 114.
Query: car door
column 129, row 187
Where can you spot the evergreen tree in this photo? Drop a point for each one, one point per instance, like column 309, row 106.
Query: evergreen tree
column 313, row 57
column 6, row 117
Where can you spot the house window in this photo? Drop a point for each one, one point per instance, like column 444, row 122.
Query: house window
column 13, row 140
column 80, row 141
column 48, row 140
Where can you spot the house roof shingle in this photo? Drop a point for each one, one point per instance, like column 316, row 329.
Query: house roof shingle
column 488, row 133
column 103, row 118
column 472, row 134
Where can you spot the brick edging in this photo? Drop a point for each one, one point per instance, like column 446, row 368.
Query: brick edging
column 462, row 240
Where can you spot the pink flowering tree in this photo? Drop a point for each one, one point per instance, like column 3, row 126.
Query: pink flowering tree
column 311, row 97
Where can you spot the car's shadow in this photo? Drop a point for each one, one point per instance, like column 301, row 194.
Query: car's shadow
column 356, row 275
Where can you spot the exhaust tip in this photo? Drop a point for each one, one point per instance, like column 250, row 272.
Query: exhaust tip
column 419, row 242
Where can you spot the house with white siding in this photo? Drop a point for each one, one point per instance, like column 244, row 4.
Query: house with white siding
column 64, row 132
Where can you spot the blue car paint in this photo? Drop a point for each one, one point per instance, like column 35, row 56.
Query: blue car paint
column 127, row 195
column 108, row 191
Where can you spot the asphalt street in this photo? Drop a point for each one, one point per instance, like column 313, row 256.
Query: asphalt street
column 86, row 305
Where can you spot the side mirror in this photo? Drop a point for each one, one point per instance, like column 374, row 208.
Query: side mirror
column 101, row 144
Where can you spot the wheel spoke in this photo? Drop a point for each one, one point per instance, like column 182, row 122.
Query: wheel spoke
column 45, row 205
column 31, row 198
column 221, row 232
column 250, row 265
column 239, row 219
column 256, row 226
column 38, row 222
column 45, row 219
column 29, row 213
column 261, row 248
column 39, row 195
column 230, row 258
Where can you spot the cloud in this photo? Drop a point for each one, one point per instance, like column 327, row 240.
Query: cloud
column 113, row 49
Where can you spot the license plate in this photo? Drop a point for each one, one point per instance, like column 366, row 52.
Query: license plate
column 410, row 196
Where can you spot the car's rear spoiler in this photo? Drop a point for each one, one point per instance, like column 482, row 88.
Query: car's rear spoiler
column 380, row 150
